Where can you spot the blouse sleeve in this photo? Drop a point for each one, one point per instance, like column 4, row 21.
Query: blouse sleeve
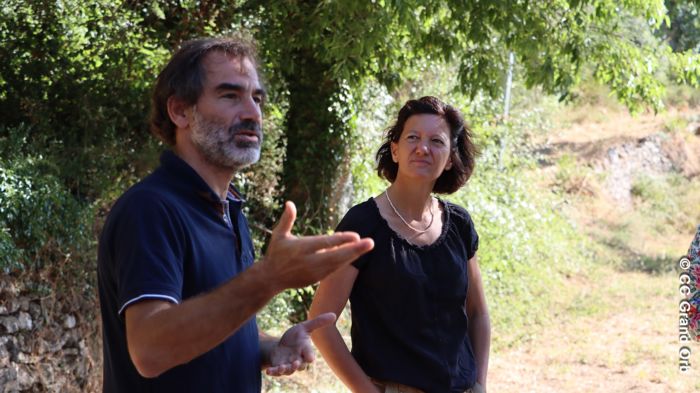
column 361, row 219
column 472, row 238
column 469, row 235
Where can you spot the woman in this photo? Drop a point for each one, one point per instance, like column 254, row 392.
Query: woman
column 419, row 316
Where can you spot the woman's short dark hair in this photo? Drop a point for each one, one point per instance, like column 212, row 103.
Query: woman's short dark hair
column 462, row 149
column 183, row 77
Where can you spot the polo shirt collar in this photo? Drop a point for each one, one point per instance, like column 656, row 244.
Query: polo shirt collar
column 191, row 180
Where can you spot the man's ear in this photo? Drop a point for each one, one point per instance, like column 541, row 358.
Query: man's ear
column 178, row 112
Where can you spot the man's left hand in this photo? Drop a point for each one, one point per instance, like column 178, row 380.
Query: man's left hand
column 294, row 350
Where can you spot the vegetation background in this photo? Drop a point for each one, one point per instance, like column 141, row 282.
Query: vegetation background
column 75, row 78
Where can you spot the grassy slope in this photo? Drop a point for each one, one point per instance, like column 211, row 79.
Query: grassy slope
column 616, row 327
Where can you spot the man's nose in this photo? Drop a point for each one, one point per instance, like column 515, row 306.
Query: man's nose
column 251, row 110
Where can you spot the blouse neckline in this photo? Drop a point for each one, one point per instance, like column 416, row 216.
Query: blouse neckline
column 436, row 243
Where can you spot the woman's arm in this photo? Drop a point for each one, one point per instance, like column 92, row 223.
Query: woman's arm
column 331, row 296
column 479, row 322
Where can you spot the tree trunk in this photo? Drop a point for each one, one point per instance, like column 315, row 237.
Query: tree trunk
column 318, row 136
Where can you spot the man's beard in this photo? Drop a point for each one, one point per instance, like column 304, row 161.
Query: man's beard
column 217, row 144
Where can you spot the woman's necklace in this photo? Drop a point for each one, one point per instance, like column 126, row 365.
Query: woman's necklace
column 432, row 216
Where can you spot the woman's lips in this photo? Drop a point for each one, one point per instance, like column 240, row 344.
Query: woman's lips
column 420, row 162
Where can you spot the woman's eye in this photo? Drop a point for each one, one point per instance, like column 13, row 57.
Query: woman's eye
column 438, row 141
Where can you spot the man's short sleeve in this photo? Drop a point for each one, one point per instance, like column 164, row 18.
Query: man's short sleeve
column 147, row 250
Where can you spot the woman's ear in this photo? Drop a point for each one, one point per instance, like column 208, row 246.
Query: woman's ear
column 394, row 152
column 178, row 112
column 448, row 165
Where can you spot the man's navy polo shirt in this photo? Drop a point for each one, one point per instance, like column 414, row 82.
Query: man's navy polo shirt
column 168, row 238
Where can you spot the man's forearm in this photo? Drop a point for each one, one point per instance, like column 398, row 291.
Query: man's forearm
column 167, row 335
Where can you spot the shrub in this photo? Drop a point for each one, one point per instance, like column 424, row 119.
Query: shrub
column 41, row 222
column 526, row 245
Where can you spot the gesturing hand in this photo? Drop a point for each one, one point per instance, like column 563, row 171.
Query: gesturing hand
column 294, row 262
column 294, row 350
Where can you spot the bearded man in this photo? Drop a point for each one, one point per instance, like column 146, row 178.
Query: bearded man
column 178, row 285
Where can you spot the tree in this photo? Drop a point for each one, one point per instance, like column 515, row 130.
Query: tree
column 683, row 31
column 323, row 51
column 76, row 74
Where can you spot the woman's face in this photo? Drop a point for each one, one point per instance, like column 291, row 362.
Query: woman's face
column 423, row 149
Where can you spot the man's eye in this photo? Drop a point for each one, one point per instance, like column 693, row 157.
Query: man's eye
column 258, row 100
column 231, row 96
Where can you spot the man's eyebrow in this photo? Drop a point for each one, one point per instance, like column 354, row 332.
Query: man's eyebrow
column 240, row 88
column 229, row 86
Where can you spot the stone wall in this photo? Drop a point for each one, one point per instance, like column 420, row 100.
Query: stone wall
column 48, row 344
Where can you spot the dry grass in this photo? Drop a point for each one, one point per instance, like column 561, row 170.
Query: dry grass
column 624, row 340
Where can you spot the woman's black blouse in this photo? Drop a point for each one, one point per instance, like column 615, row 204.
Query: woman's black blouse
column 409, row 322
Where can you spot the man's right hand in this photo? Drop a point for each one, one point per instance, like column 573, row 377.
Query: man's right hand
column 295, row 262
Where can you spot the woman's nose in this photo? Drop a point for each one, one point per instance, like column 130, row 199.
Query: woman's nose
column 422, row 148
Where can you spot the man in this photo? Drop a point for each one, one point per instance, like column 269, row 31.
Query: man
column 178, row 287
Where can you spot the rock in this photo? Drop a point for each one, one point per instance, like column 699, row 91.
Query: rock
column 46, row 346
column 622, row 162
column 8, row 376
column 46, row 375
column 24, row 304
column 24, row 377
column 69, row 322
column 12, row 349
column 26, row 358
column 8, row 287
column 35, row 310
column 12, row 306
column 4, row 357
column 11, row 324
column 24, row 321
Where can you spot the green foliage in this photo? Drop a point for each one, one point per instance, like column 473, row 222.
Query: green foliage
column 681, row 95
column 665, row 208
column 663, row 198
column 571, row 177
column 648, row 189
column 40, row 221
column 683, row 31
column 78, row 73
column 526, row 245
column 323, row 57
column 675, row 124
